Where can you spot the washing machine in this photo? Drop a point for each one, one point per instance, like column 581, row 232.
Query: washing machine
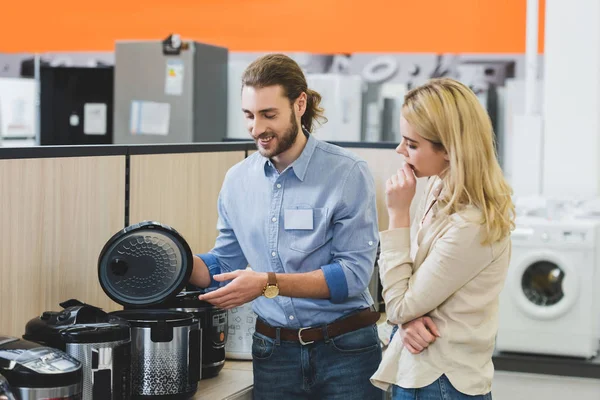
column 548, row 305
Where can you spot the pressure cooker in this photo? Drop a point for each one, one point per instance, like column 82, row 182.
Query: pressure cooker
column 214, row 328
column 141, row 267
column 101, row 342
column 37, row 372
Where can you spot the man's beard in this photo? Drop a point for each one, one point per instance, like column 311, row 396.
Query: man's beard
column 284, row 141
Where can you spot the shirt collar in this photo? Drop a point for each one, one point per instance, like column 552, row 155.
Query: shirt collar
column 300, row 165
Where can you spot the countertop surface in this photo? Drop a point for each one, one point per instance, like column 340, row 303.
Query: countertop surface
column 233, row 382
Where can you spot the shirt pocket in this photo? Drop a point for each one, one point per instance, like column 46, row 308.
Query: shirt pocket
column 309, row 240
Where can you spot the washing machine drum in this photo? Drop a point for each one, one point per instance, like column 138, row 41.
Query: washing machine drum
column 542, row 283
column 544, row 286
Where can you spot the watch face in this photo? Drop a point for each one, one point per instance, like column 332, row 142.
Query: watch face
column 271, row 291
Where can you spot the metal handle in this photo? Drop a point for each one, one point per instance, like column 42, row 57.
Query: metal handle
column 193, row 292
column 195, row 355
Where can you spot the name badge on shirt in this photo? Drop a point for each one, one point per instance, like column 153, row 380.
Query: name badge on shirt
column 298, row 219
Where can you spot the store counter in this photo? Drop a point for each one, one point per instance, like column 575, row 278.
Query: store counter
column 234, row 382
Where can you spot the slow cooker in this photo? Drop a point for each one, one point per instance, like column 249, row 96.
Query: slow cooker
column 101, row 342
column 141, row 267
column 36, row 372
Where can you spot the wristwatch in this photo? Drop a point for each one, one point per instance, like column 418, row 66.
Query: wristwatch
column 271, row 289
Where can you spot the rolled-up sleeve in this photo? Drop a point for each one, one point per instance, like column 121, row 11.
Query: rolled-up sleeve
column 355, row 236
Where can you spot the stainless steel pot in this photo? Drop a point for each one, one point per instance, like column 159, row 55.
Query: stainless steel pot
column 166, row 353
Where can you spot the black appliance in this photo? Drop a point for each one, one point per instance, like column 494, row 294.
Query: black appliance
column 214, row 328
column 76, row 105
column 101, row 342
column 143, row 266
column 38, row 372
column 5, row 392
column 485, row 77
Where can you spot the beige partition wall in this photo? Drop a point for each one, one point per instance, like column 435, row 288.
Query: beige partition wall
column 180, row 190
column 55, row 216
column 383, row 163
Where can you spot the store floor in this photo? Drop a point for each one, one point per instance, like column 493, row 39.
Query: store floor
column 522, row 386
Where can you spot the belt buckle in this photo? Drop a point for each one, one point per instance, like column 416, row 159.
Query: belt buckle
column 302, row 342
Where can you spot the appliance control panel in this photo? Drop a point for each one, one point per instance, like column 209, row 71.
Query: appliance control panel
column 551, row 234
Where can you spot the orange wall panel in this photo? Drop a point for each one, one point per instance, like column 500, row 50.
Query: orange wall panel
column 444, row 26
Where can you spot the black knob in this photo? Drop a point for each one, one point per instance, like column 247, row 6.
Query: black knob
column 63, row 316
column 119, row 267
column 46, row 315
column 414, row 71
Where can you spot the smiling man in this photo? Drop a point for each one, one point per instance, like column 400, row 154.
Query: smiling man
column 302, row 214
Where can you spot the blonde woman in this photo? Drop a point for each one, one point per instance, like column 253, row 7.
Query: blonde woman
column 442, row 289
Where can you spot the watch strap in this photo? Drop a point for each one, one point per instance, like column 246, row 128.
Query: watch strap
column 271, row 279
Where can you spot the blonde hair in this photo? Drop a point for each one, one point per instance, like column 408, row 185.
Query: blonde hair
column 448, row 114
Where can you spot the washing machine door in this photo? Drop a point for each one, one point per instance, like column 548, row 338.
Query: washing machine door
column 545, row 285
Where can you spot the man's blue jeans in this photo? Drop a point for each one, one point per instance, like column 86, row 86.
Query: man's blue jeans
column 331, row 369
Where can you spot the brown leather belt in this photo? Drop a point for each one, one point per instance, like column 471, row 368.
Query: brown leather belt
column 310, row 335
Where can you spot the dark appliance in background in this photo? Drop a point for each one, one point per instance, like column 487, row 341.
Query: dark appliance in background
column 485, row 78
column 375, row 286
column 34, row 371
column 390, row 127
column 101, row 342
column 142, row 267
column 214, row 328
column 76, row 105
column 27, row 69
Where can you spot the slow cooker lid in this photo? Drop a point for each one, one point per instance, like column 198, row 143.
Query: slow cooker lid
column 5, row 340
column 188, row 301
column 151, row 318
column 97, row 333
column 49, row 327
column 144, row 264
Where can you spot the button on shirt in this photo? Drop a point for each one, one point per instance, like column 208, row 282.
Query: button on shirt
column 319, row 213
